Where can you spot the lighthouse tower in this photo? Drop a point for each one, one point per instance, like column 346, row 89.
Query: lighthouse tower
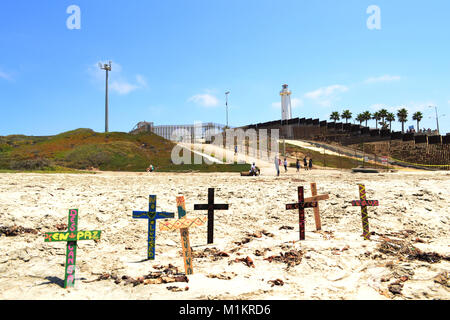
column 286, row 112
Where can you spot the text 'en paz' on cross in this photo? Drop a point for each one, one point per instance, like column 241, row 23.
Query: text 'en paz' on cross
column 71, row 237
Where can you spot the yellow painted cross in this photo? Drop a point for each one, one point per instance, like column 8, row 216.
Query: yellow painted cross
column 183, row 224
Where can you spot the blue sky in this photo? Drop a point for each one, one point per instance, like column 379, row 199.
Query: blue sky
column 173, row 61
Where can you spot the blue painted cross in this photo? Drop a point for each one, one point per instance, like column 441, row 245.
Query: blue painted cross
column 152, row 215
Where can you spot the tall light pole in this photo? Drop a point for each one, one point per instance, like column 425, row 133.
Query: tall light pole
column 226, row 104
column 107, row 68
column 437, row 118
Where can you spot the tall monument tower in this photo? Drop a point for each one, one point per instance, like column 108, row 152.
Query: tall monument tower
column 286, row 112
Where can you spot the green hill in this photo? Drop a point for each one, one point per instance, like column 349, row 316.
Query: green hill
column 83, row 149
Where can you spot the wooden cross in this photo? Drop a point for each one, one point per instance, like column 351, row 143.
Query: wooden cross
column 183, row 223
column 211, row 206
column 301, row 205
column 316, row 198
column 71, row 237
column 152, row 215
column 364, row 203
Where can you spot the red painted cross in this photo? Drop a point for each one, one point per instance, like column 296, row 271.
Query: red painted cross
column 301, row 205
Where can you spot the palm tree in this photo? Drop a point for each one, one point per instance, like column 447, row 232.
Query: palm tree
column 360, row 118
column 402, row 116
column 335, row 116
column 377, row 117
column 390, row 117
column 346, row 115
column 367, row 116
column 383, row 114
column 418, row 116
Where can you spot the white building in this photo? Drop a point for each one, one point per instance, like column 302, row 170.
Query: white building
column 286, row 112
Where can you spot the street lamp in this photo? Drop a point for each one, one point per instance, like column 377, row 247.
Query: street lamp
column 107, row 68
column 226, row 104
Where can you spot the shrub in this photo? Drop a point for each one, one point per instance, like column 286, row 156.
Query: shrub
column 30, row 164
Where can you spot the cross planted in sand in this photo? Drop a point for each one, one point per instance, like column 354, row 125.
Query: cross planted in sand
column 183, row 223
column 152, row 215
column 71, row 237
column 301, row 205
column 364, row 203
column 211, row 206
column 316, row 198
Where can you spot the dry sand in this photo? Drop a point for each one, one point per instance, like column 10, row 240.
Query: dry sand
column 336, row 263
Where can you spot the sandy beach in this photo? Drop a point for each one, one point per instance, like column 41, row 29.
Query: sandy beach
column 256, row 254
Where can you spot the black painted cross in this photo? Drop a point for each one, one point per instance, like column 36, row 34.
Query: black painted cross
column 152, row 215
column 211, row 206
column 301, row 205
column 364, row 203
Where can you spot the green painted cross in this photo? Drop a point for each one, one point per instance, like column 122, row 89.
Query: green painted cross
column 71, row 237
column 152, row 215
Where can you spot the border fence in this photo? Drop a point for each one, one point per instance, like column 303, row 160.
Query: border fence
column 422, row 151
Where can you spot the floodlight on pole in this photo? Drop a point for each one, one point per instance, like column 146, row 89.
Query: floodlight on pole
column 226, row 104
column 107, row 68
column 437, row 117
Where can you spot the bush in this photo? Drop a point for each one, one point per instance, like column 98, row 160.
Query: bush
column 31, row 164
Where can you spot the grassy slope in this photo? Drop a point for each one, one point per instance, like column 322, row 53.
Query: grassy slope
column 84, row 148
column 327, row 160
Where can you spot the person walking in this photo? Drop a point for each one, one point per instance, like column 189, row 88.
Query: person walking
column 277, row 165
column 305, row 163
column 285, row 165
column 310, row 164
column 297, row 164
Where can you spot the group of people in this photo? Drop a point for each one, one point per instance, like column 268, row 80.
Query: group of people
column 307, row 164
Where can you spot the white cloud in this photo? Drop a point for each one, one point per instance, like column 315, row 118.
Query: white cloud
column 385, row 78
column 118, row 83
column 141, row 81
column 205, row 100
column 4, row 75
column 326, row 95
column 276, row 105
column 122, row 87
